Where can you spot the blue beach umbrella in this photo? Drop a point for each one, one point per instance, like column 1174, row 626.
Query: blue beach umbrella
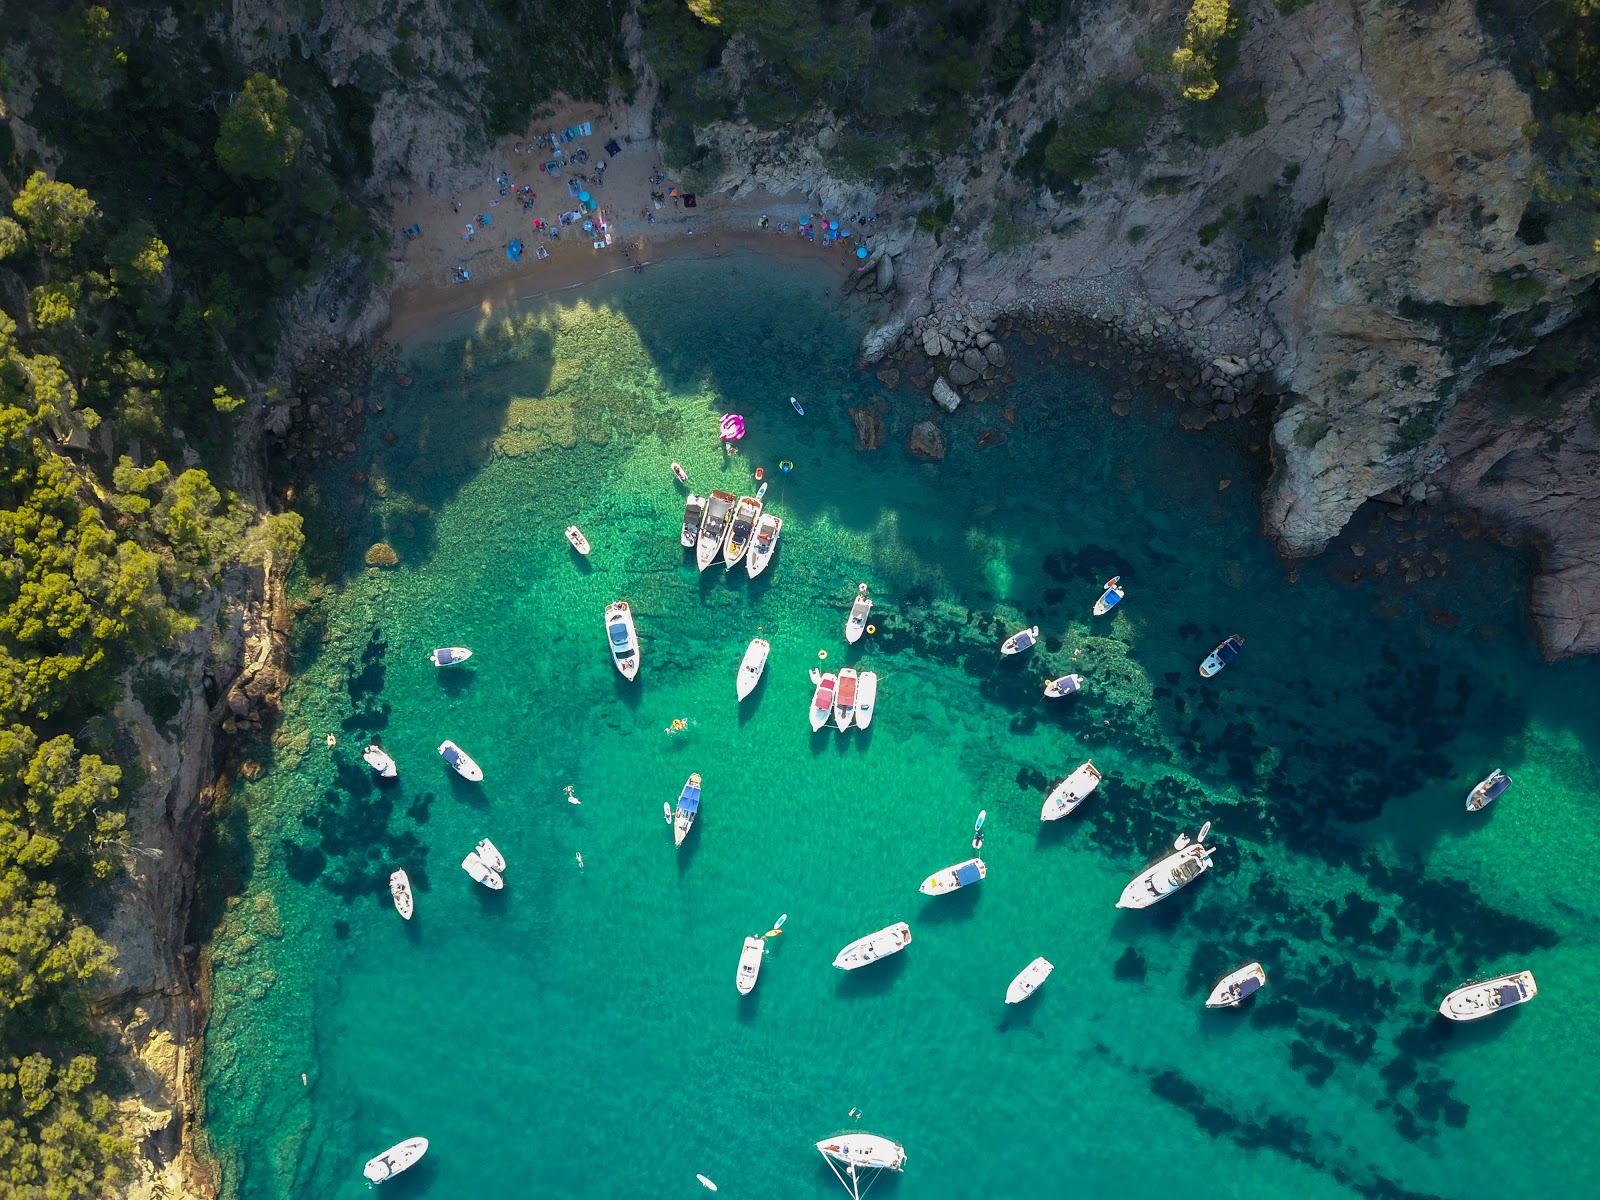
column 833, row 224
column 861, row 251
column 583, row 196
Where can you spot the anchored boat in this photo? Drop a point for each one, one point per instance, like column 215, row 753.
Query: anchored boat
column 866, row 698
column 683, row 476
column 395, row 1159
column 450, row 656
column 844, row 699
column 1070, row 792
column 952, row 878
column 381, row 764
column 856, row 624
column 579, row 542
column 1488, row 790
column 766, row 541
column 740, row 527
column 1478, row 1000
column 1064, row 686
column 750, row 964
column 889, row 940
column 1111, row 597
column 1028, row 980
column 482, row 871
column 1227, row 650
column 714, row 526
column 1018, row 642
column 694, row 511
column 822, row 698
column 623, row 637
column 489, row 855
column 460, row 761
column 856, row 1159
column 400, row 889
column 1232, row 989
column 755, row 662
column 1166, row 875
column 688, row 808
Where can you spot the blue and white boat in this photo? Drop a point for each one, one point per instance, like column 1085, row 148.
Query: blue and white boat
column 1111, row 597
column 1488, row 790
column 623, row 638
column 460, row 761
column 1226, row 651
column 953, row 878
column 1065, row 686
column 797, row 406
column 1233, row 988
column 1018, row 642
column 688, row 808
column 450, row 656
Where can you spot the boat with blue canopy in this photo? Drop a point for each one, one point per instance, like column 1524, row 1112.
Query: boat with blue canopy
column 1111, row 597
column 1488, row 790
column 953, row 878
column 688, row 808
column 1225, row 653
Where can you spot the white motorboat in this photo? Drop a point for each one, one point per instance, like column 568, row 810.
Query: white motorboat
column 1188, row 861
column 822, row 698
column 889, row 940
column 482, row 871
column 759, row 556
column 623, row 638
column 713, row 527
column 489, row 855
column 381, row 764
column 856, row 623
column 1488, row 790
column 1064, row 686
column 460, row 761
column 750, row 964
column 395, row 1159
column 1230, row 991
column 400, row 889
column 950, row 879
column 683, row 476
column 688, row 808
column 1070, row 792
column 844, row 699
column 755, row 662
column 450, row 656
column 1018, row 642
column 856, row 1158
column 1111, row 597
column 866, row 698
column 579, row 542
column 741, row 526
column 1028, row 980
column 1227, row 650
column 1478, row 1000
column 694, row 511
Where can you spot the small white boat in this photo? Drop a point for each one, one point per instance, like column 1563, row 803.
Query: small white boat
column 740, row 528
column 755, row 662
column 482, row 871
column 766, row 541
column 1028, row 980
column 951, row 879
column 861, row 1155
column 822, row 699
column 623, row 638
column 1018, row 642
column 1111, row 597
column 1488, row 790
column 889, row 940
column 381, row 764
column 460, row 761
column 713, row 527
column 844, row 699
column 1478, row 1000
column 1070, row 792
column 750, row 964
column 400, row 889
column 866, row 698
column 450, row 656
column 1064, row 686
column 683, row 476
column 1231, row 990
column 977, row 829
column 1188, row 861
column 694, row 511
column 579, row 542
column 1227, row 650
column 688, row 808
column 856, row 623
column 489, row 855
column 395, row 1159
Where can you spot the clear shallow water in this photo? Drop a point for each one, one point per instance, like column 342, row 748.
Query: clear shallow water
column 580, row 1035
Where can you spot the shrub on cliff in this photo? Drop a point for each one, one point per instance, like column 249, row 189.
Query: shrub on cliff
column 1194, row 61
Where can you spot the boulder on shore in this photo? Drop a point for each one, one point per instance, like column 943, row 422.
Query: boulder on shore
column 927, row 440
column 945, row 396
column 869, row 428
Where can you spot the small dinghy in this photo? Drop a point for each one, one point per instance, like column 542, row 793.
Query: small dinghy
column 889, row 940
column 1167, row 874
column 765, row 542
column 579, row 542
column 688, row 809
column 1478, row 1000
column 395, row 1159
column 822, row 699
column 450, row 656
column 856, row 624
column 952, row 879
column 862, row 1155
column 1018, row 642
column 866, row 698
column 796, row 405
column 844, row 699
column 755, row 662
column 740, row 528
column 623, row 638
column 400, row 889
column 460, row 761
column 1028, row 980
column 482, row 871
column 489, row 855
column 381, row 764
column 694, row 511
column 1227, row 650
column 1070, row 792
column 1488, row 790
column 977, row 829
column 1064, row 686
column 750, row 964
column 1111, row 597
column 683, row 476
column 1230, row 991
column 713, row 528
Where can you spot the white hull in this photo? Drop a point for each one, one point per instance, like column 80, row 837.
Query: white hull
column 764, row 545
column 688, row 808
column 755, row 662
column 844, row 699
column 1070, row 792
column 1025, row 639
column 579, row 542
column 400, row 889
column 395, row 1159
column 866, row 698
column 1188, row 861
column 1233, row 988
column 1028, row 980
column 381, row 764
column 694, row 511
column 460, row 761
column 954, row 878
column 489, row 855
column 856, row 623
column 1227, row 650
column 719, row 505
column 741, row 528
column 1488, row 790
column 449, row 656
column 622, row 639
column 749, row 964
column 1105, row 604
column 853, row 1157
column 859, row 953
column 1479, row 1000
column 822, row 701
column 1065, row 686
column 482, row 872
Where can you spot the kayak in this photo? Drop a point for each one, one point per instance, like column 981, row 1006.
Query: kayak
column 797, row 406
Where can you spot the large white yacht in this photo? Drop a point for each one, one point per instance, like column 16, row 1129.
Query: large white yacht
column 1478, row 1000
column 750, row 964
column 754, row 662
column 719, row 505
column 1187, row 862
column 950, row 879
column 623, row 638
column 889, row 940
column 759, row 556
column 460, row 761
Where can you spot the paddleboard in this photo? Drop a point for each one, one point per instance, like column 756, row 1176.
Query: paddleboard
column 797, row 407
column 666, row 811
column 706, row 1183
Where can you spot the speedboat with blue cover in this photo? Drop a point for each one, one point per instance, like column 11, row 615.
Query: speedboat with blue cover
column 951, row 878
column 623, row 638
column 1111, row 597
column 1018, row 642
column 1478, row 1000
column 1488, row 790
column 450, row 656
column 1064, row 686
column 1226, row 651
column 688, row 808
column 1187, row 862
column 460, row 761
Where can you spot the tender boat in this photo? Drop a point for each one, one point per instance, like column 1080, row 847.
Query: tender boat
column 766, row 541
column 822, row 698
column 1064, row 686
column 1488, row 790
column 683, row 476
column 482, row 871
column 1478, row 1000
column 755, row 662
column 400, row 889
column 450, row 656
column 889, row 940
column 1028, row 980
column 866, row 698
column 1188, row 861
column 856, row 624
column 579, row 542
column 1018, row 642
column 951, row 879
column 844, row 699
column 1111, row 597
column 460, row 761
column 977, row 829
column 740, row 528
column 861, row 1156
column 395, row 1159
column 796, row 405
column 750, row 964
column 719, row 506
column 1227, row 650
column 694, row 511
column 623, row 638
column 688, row 808
column 1070, row 792
column 1231, row 990
column 381, row 764
column 489, row 855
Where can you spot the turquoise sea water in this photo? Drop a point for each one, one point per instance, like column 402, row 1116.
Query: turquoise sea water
column 579, row 1034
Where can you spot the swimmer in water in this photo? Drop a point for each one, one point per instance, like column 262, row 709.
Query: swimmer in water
column 571, row 799
column 580, row 862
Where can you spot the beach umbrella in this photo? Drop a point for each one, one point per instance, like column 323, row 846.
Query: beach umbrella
column 833, row 224
column 861, row 251
column 584, row 196
column 732, row 427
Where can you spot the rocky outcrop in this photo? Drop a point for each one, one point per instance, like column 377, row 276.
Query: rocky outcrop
column 945, row 396
column 869, row 428
column 926, row 440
